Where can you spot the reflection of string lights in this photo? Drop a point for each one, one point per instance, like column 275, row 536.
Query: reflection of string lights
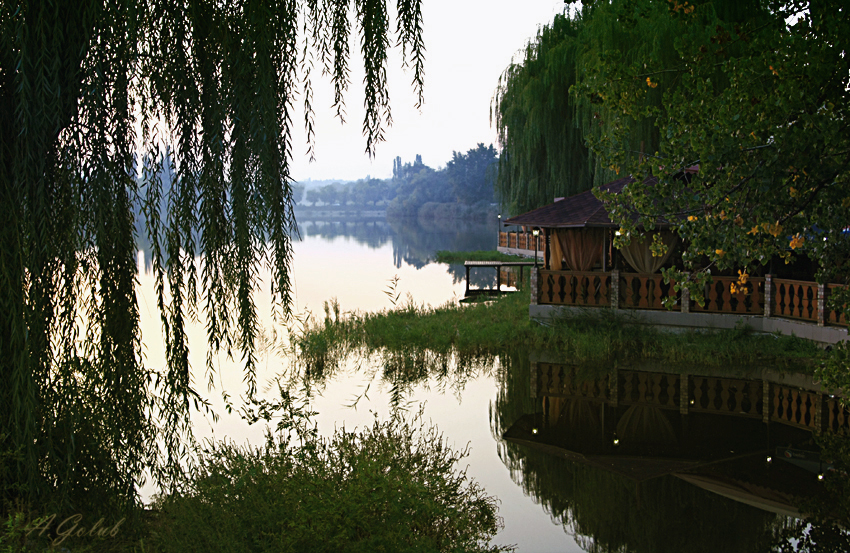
column 820, row 476
column 769, row 459
column 534, row 431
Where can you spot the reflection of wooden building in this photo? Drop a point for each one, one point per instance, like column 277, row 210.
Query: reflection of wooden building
column 713, row 431
column 581, row 268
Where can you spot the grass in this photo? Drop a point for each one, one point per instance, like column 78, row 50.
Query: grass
column 451, row 257
column 593, row 336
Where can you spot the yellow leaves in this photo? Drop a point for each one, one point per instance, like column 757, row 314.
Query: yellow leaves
column 650, row 84
column 719, row 252
column 773, row 229
column 743, row 276
column 692, row 218
column 793, row 191
column 723, row 215
column 684, row 8
column 739, row 221
column 797, row 241
column 754, row 231
column 774, row 71
column 753, row 134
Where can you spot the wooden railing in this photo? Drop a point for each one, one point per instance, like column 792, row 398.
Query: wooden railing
column 837, row 416
column 574, row 288
column 795, row 407
column 560, row 381
column 788, row 298
column 768, row 400
column 726, row 396
column 795, row 299
column 641, row 291
column 832, row 316
column 647, row 388
column 520, row 241
column 719, row 297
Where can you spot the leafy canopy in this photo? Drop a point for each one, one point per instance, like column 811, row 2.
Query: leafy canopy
column 84, row 87
column 761, row 108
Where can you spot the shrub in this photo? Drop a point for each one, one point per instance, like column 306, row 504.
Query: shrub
column 391, row 487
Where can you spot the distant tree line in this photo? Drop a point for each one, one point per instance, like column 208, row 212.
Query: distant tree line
column 463, row 188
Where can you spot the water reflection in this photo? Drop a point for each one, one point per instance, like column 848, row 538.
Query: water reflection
column 659, row 461
column 414, row 242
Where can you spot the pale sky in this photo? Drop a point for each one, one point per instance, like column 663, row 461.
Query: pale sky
column 468, row 45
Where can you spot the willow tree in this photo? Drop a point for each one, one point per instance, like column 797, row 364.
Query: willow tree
column 560, row 129
column 89, row 92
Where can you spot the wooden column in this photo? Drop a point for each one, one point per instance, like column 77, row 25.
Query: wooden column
column 768, row 295
column 615, row 289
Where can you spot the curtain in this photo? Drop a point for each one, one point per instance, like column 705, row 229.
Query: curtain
column 580, row 248
column 639, row 256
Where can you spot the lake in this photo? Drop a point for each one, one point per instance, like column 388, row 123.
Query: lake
column 562, row 483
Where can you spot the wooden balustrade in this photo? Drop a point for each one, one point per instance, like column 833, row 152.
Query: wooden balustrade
column 789, row 298
column 653, row 389
column 642, row 291
column 520, row 241
column 719, row 297
column 831, row 316
column 837, row 417
column 795, row 299
column 794, row 406
column 725, row 396
column 574, row 288
column 560, row 381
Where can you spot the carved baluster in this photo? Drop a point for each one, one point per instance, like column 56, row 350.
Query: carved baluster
column 778, row 413
column 643, row 292
column 712, row 393
column 698, row 396
column 642, row 387
column 724, row 394
column 672, row 388
column 628, row 385
column 739, row 398
column 796, row 415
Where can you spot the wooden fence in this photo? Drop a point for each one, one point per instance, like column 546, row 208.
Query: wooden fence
column 806, row 301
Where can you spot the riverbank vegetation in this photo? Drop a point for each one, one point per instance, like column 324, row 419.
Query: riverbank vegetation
column 393, row 486
column 592, row 336
column 444, row 256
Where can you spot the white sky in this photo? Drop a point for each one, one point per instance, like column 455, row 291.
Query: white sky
column 468, row 45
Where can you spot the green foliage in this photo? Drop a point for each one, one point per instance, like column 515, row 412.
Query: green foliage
column 472, row 174
column 444, row 256
column 394, row 486
column 82, row 412
column 485, row 329
column 758, row 102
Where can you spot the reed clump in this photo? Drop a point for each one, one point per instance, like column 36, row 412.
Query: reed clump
column 493, row 327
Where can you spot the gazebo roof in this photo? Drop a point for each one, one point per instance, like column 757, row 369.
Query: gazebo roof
column 583, row 210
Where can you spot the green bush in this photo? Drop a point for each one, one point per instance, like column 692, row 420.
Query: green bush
column 391, row 487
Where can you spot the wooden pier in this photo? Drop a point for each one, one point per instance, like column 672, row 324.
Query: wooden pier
column 498, row 266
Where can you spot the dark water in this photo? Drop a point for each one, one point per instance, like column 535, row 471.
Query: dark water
column 581, row 458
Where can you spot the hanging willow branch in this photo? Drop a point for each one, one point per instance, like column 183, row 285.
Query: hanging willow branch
column 81, row 415
column 553, row 109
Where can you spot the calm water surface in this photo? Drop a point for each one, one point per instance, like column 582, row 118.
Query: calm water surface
column 553, row 495
column 354, row 262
